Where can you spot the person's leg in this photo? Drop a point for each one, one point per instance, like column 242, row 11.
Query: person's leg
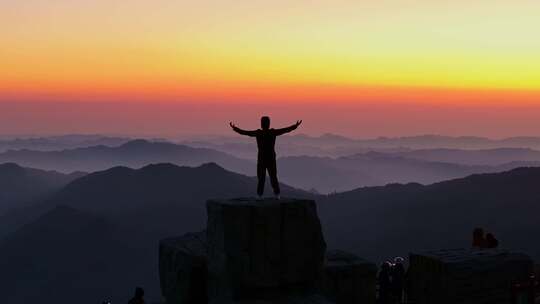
column 272, row 172
column 261, row 176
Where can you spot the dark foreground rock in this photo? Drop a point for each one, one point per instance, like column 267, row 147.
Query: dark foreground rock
column 466, row 276
column 262, row 248
column 258, row 252
column 291, row 299
column 348, row 279
column 183, row 269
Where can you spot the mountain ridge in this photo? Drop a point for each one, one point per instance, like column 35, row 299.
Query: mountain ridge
column 135, row 153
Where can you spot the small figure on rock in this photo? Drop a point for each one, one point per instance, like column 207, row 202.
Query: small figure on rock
column 266, row 158
column 479, row 240
column 398, row 279
column 139, row 296
column 491, row 241
column 385, row 283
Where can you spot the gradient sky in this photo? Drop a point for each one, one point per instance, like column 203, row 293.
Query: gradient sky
column 438, row 58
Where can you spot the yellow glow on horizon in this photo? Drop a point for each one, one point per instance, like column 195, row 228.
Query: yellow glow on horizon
column 249, row 49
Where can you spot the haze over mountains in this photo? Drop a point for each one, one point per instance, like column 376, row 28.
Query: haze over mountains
column 134, row 153
column 311, row 172
column 61, row 142
column 102, row 229
column 335, row 145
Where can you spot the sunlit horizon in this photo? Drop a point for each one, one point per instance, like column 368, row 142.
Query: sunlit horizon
column 360, row 55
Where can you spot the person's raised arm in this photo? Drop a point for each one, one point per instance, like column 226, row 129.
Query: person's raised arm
column 288, row 129
column 242, row 132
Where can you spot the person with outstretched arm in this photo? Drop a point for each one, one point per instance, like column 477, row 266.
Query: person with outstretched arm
column 266, row 157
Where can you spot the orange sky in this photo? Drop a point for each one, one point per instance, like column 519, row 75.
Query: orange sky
column 425, row 52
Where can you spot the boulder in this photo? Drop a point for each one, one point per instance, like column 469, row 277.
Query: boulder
column 183, row 269
column 263, row 248
column 348, row 279
column 466, row 276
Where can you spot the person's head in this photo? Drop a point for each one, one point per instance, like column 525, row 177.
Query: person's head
column 385, row 267
column 265, row 122
column 139, row 293
column 478, row 233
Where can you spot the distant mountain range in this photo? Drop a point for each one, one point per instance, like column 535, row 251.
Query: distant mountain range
column 459, row 142
column 135, row 154
column 97, row 237
column 484, row 157
column 332, row 145
column 60, row 142
column 291, row 145
column 326, row 175
column 20, row 186
column 311, row 173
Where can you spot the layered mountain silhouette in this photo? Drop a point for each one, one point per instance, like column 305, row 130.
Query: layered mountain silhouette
column 101, row 230
column 61, row 142
column 328, row 175
column 332, row 145
column 21, row 186
column 135, row 154
column 109, row 225
column 317, row 173
column 484, row 157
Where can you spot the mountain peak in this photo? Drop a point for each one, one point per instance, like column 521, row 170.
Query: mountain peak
column 136, row 142
column 10, row 166
column 212, row 166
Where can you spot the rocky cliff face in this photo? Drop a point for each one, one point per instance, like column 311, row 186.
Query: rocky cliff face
column 263, row 247
column 270, row 251
column 183, row 268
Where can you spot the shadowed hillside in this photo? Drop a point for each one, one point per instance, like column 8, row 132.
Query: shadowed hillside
column 69, row 256
column 384, row 221
column 20, row 186
column 138, row 206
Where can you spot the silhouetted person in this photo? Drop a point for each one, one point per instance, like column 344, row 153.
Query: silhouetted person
column 491, row 241
column 139, row 296
column 385, row 283
column 266, row 157
column 479, row 240
column 398, row 279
